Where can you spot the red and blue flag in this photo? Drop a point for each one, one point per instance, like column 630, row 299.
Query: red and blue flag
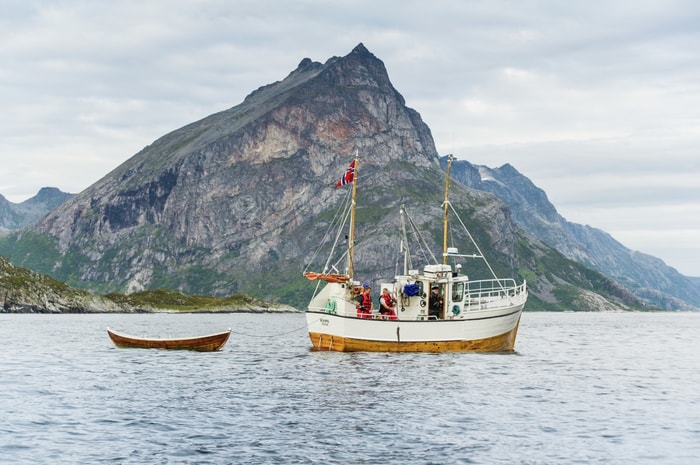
column 348, row 177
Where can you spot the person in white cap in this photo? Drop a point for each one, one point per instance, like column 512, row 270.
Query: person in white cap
column 435, row 302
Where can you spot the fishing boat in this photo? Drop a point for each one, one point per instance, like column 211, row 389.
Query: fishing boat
column 437, row 309
column 208, row 343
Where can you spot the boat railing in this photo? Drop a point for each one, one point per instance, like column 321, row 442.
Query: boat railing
column 337, row 306
column 489, row 293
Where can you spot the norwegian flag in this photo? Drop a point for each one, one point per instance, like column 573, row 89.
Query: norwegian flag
column 348, row 176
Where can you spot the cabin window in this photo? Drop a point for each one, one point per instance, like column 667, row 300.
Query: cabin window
column 457, row 292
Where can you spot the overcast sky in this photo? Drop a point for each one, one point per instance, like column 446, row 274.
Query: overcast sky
column 597, row 102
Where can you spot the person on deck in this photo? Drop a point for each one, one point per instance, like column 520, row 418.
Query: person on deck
column 356, row 293
column 436, row 302
column 387, row 305
column 364, row 302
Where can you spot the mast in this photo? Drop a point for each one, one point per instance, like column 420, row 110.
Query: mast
column 446, row 208
column 404, row 245
column 351, row 236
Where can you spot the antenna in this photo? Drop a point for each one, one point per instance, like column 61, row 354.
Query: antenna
column 446, row 209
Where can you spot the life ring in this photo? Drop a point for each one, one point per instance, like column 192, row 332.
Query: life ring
column 456, row 310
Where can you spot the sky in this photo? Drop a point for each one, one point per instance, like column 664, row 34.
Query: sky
column 596, row 102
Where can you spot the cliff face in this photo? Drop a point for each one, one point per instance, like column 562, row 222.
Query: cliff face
column 237, row 201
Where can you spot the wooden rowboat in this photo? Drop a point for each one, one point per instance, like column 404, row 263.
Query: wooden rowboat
column 208, row 343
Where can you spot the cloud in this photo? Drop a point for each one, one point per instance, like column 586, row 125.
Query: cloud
column 597, row 102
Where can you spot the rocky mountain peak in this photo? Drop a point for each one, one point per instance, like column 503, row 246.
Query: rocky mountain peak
column 17, row 215
column 238, row 191
column 360, row 49
column 238, row 201
column 359, row 68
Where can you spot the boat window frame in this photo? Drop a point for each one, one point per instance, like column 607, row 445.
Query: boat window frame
column 457, row 291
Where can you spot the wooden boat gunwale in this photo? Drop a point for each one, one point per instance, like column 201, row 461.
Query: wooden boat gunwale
column 205, row 343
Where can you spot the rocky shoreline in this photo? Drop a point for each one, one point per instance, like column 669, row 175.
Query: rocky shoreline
column 111, row 307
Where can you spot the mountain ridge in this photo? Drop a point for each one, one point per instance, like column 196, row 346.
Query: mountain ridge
column 646, row 276
column 18, row 215
column 237, row 200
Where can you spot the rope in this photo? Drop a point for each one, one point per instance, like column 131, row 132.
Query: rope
column 274, row 335
column 422, row 243
column 339, row 220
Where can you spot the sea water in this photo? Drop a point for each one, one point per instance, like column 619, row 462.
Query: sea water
column 588, row 388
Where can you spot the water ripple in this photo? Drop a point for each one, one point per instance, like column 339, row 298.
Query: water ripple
column 582, row 388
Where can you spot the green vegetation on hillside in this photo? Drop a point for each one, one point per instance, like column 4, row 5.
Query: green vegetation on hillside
column 14, row 280
column 167, row 299
column 25, row 288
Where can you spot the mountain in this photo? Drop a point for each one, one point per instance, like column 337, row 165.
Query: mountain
column 649, row 278
column 17, row 215
column 238, row 201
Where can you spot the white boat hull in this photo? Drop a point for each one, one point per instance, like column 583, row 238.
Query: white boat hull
column 484, row 330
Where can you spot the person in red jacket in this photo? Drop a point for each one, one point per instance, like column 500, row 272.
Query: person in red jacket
column 364, row 302
column 387, row 305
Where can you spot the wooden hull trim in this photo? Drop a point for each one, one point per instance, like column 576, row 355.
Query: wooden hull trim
column 208, row 343
column 501, row 343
